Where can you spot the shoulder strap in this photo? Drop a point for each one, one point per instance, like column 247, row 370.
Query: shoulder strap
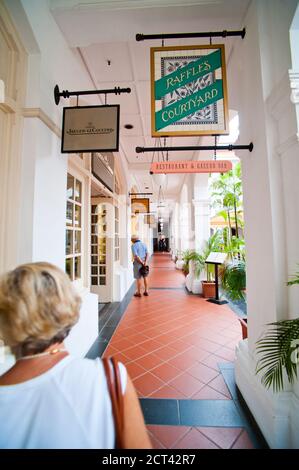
column 114, row 385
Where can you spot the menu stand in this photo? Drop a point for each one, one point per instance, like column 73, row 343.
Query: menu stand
column 217, row 259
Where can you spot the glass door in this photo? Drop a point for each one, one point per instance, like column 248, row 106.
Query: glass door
column 98, row 244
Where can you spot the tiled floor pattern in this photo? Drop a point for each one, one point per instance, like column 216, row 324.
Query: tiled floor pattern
column 163, row 274
column 172, row 344
column 184, row 437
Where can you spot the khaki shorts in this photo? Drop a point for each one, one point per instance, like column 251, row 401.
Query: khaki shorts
column 136, row 267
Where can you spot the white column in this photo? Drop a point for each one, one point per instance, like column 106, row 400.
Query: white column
column 201, row 233
column 176, row 229
column 13, row 67
column 270, row 185
column 185, row 214
column 294, row 72
column 202, row 221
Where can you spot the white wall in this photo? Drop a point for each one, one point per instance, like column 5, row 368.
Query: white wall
column 185, row 232
column 13, row 67
column 44, row 198
column 201, row 203
column 44, row 168
column 174, row 230
column 259, row 90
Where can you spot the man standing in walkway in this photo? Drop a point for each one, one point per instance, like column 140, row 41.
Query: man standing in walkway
column 140, row 255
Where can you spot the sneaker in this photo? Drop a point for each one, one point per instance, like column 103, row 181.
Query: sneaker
column 137, row 295
column 146, row 293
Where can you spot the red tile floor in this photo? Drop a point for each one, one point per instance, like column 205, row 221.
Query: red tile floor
column 183, row 437
column 171, row 343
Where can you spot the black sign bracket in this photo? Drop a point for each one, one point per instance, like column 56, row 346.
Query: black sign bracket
column 67, row 94
column 229, row 147
column 215, row 34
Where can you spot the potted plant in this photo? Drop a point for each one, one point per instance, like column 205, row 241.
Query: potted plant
column 179, row 261
column 233, row 279
column 193, row 265
column 196, row 266
column 233, row 283
column 186, row 257
column 208, row 286
column 279, row 351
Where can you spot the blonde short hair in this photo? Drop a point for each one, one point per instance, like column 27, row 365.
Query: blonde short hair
column 38, row 307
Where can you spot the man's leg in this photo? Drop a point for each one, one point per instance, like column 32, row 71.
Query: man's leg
column 145, row 285
column 138, row 279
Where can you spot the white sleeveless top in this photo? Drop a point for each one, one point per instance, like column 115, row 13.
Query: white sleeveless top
column 67, row 407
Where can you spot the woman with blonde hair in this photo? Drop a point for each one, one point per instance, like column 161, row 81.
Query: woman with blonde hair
column 50, row 399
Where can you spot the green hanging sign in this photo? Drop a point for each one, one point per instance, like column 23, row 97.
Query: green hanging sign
column 187, row 74
column 189, row 95
column 189, row 105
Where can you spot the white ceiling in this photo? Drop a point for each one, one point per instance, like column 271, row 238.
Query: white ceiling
column 103, row 31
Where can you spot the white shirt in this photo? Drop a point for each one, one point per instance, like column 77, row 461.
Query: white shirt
column 67, row 407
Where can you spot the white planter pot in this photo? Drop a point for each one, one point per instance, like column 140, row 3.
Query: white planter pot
column 189, row 282
column 196, row 287
column 179, row 264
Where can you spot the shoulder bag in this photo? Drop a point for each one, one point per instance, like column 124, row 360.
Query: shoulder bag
column 144, row 271
column 117, row 399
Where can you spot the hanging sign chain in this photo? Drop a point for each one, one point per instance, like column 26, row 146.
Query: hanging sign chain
column 164, row 145
column 215, row 151
column 160, row 149
column 154, row 152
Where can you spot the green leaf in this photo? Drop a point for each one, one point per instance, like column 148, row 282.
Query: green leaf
column 276, row 348
column 233, row 279
column 295, row 280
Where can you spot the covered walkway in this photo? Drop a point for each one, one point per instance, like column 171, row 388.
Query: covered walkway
column 179, row 351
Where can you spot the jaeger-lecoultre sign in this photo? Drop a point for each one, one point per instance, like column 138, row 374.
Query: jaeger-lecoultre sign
column 90, row 129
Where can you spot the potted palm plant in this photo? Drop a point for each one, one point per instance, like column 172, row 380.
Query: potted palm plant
column 197, row 264
column 233, row 279
column 186, row 257
column 193, row 265
column 233, row 283
column 279, row 351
